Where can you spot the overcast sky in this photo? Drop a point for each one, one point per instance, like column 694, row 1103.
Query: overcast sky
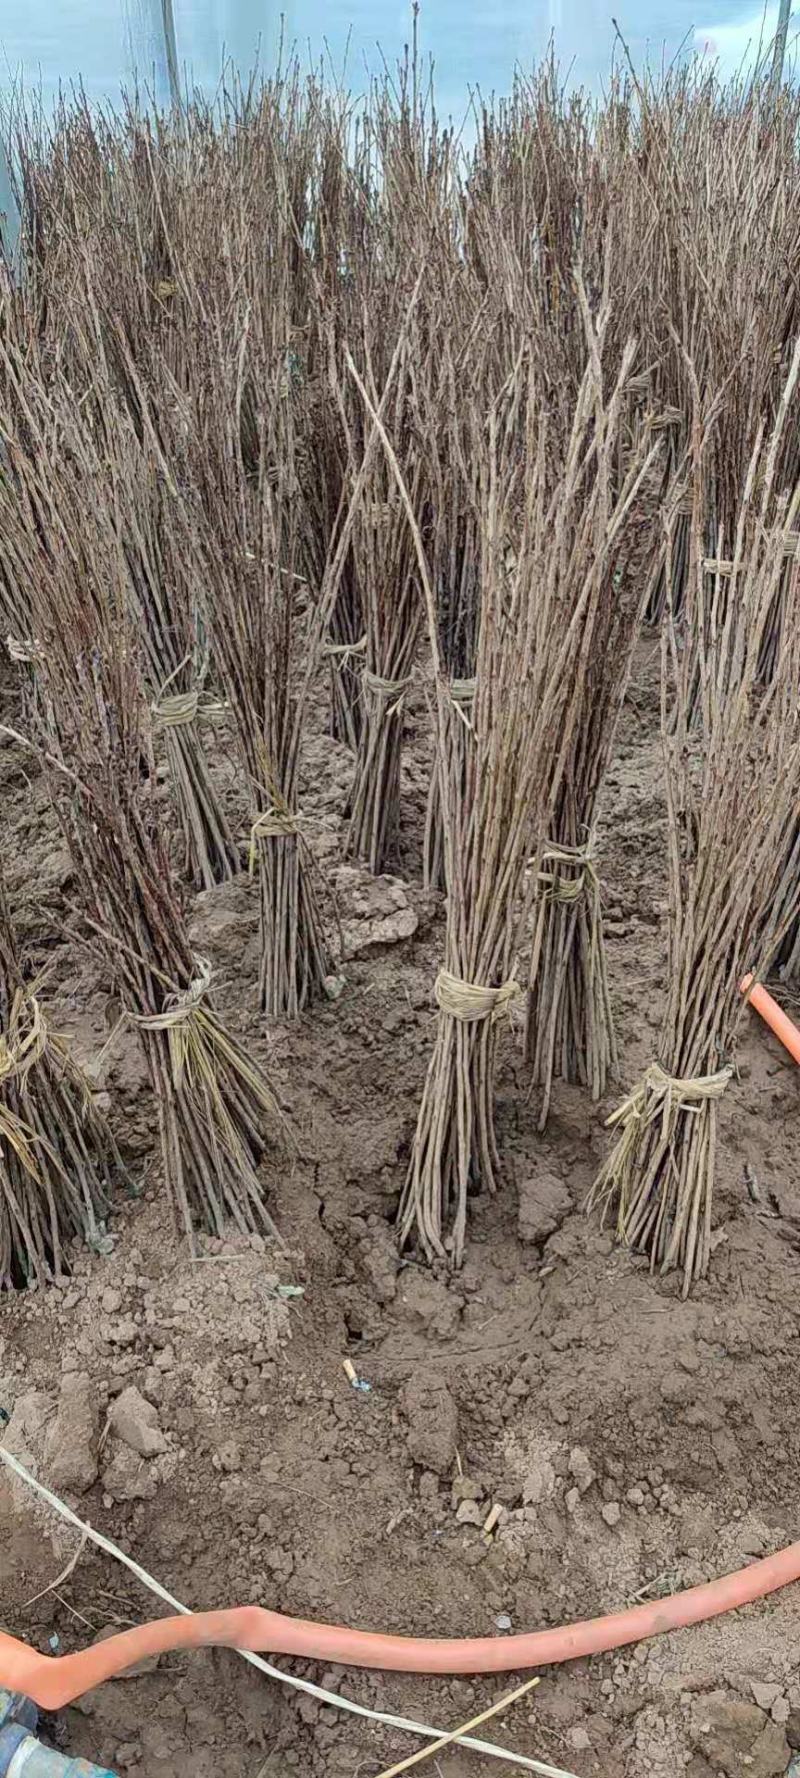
column 473, row 42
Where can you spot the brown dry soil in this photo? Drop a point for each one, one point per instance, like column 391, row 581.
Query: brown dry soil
column 636, row 1443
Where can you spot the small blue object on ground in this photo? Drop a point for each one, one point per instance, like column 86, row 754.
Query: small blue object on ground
column 20, row 1751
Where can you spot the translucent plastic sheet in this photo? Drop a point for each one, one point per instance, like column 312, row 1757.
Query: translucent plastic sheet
column 107, row 43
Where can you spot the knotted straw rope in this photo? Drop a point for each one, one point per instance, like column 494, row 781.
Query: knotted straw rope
column 273, row 824
column 178, row 1009
column 180, row 708
column 631, row 1170
column 182, row 1018
column 468, row 1002
column 659, row 1094
column 177, row 710
column 17, row 1057
column 569, row 889
column 386, row 691
column 716, row 565
column 462, row 691
column 23, row 652
column 343, row 651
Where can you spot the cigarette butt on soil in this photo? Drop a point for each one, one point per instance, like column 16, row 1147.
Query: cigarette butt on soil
column 491, row 1519
column 353, row 1378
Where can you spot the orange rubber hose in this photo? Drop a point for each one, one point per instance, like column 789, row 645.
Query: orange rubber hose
column 53, row 1681
column 773, row 1015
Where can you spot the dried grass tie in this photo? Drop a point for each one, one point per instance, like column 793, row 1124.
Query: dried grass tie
column 18, row 1055
column 389, row 692
column 660, row 1207
column 24, row 653
column 211, row 853
column 462, row 691
column 177, row 710
column 556, row 886
column 340, row 652
column 469, row 1002
column 569, row 1025
column 181, row 1018
column 273, row 824
column 57, row 1155
column 223, row 1093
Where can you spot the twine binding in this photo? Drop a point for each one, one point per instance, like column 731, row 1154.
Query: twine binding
column 272, row 824
column 341, row 652
column 645, row 1182
column 388, row 692
column 462, row 691
column 469, row 1002
column 559, row 888
column 19, row 1055
column 183, row 1020
column 659, row 1094
column 24, row 653
column 178, row 1008
column 462, row 696
column 177, row 710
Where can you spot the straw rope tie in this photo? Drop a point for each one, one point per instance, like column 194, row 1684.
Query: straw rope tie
column 25, row 653
column 386, row 691
column 183, row 1019
column 178, row 1009
column 723, row 566
column 18, row 1056
column 177, row 710
column 462, row 691
column 569, row 889
column 661, row 1094
column 273, row 824
column 469, row 1002
column 345, row 651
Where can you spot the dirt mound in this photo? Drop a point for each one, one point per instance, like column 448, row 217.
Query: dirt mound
column 197, row 1409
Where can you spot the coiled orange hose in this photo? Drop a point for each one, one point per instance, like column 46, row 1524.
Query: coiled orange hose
column 53, row 1681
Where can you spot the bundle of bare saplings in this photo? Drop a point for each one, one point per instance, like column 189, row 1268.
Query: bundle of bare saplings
column 70, row 496
column 536, row 598
column 732, row 747
column 58, row 1159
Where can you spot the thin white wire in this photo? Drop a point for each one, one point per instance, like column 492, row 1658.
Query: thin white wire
column 301, row 1685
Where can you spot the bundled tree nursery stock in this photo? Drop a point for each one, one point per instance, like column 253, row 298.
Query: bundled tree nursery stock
column 311, row 403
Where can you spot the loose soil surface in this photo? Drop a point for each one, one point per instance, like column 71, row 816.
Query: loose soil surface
column 635, row 1443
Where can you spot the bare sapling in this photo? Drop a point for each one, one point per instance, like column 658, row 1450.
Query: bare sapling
column 68, row 511
column 59, row 1162
column 610, row 536
column 732, row 755
column 531, row 627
